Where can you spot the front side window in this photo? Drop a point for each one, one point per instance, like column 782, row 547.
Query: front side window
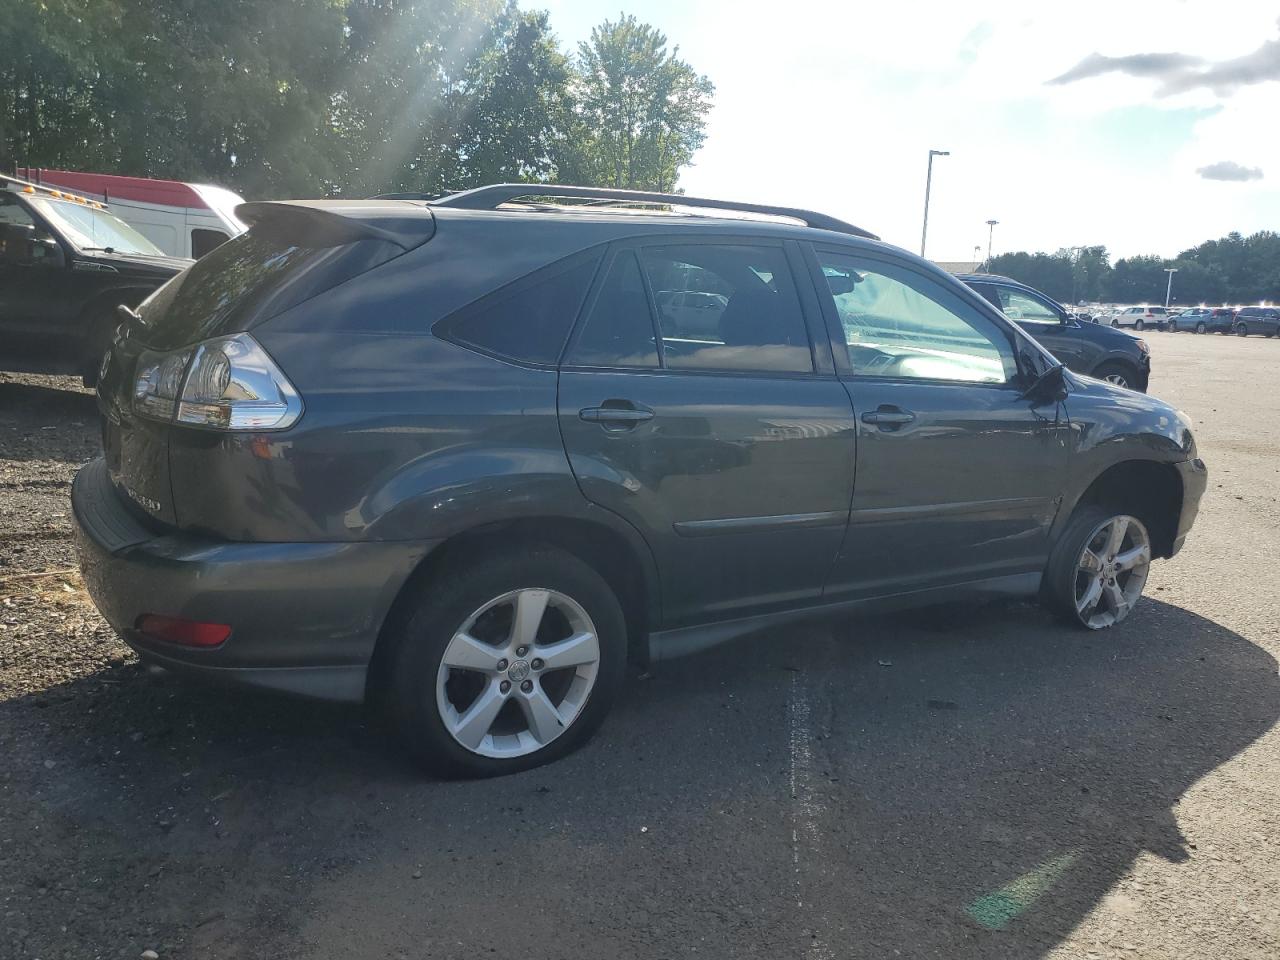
column 899, row 324
column 22, row 240
column 1017, row 305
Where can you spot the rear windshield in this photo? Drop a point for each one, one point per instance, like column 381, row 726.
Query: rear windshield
column 249, row 279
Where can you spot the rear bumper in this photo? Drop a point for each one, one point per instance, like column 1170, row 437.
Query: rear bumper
column 304, row 616
column 1195, row 478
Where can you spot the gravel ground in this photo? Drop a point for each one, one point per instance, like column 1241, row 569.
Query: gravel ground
column 985, row 784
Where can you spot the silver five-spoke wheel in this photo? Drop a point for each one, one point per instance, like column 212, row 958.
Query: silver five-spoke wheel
column 517, row 673
column 1111, row 571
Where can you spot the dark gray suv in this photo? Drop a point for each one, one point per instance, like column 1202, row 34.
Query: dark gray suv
column 459, row 458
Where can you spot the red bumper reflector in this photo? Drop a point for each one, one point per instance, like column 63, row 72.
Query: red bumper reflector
column 188, row 633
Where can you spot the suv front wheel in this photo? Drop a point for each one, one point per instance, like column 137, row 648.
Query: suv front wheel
column 1121, row 374
column 1098, row 568
column 506, row 663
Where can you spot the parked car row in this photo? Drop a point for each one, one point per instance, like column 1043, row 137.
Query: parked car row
column 469, row 456
column 1243, row 322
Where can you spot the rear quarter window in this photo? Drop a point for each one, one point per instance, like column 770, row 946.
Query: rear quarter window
column 528, row 320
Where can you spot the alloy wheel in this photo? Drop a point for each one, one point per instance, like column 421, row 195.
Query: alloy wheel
column 1242, row 330
column 1200, row 327
column 1111, row 571
column 1119, row 379
column 517, row 673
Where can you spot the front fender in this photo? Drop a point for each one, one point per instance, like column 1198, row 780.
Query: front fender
column 1109, row 426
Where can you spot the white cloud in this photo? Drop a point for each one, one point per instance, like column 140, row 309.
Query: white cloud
column 833, row 105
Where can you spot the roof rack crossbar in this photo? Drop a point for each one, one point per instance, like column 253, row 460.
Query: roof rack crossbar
column 491, row 197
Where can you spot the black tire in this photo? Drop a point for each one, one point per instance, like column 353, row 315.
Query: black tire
column 1173, row 326
column 1117, row 368
column 1058, row 587
column 1139, row 326
column 419, row 640
column 98, row 341
column 1242, row 330
column 1115, row 322
column 1201, row 328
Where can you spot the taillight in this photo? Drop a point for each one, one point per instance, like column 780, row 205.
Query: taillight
column 229, row 383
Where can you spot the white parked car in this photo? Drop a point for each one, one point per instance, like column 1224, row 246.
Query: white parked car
column 1141, row 317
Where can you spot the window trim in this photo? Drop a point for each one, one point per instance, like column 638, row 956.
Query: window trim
column 804, row 297
column 1019, row 340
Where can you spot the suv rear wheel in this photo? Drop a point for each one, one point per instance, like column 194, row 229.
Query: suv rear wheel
column 1200, row 327
column 1139, row 325
column 1098, row 567
column 1241, row 330
column 506, row 663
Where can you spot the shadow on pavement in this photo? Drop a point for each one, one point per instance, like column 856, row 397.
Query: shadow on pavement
column 858, row 788
column 31, row 411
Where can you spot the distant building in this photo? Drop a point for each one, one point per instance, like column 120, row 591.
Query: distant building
column 959, row 266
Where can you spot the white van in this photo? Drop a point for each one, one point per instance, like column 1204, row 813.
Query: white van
column 182, row 219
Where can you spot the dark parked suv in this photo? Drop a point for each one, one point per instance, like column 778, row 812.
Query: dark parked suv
column 453, row 457
column 1088, row 348
column 66, row 264
column 1263, row 320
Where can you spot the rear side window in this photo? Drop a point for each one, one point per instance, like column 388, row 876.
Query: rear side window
column 705, row 306
column 527, row 321
column 733, row 307
column 619, row 331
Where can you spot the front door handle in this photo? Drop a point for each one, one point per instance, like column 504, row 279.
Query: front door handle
column 888, row 418
column 616, row 415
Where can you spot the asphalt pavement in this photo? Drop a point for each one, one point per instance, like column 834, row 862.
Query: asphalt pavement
column 955, row 783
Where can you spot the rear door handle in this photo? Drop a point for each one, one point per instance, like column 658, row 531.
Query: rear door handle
column 616, row 417
column 888, row 418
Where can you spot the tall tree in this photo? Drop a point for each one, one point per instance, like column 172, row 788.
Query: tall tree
column 642, row 110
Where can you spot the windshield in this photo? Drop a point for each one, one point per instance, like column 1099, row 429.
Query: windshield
column 91, row 229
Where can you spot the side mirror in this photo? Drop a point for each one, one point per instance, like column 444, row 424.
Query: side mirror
column 46, row 250
column 1049, row 387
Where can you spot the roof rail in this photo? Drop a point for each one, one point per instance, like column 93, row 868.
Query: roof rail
column 491, row 197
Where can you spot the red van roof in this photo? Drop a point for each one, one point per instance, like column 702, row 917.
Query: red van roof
column 169, row 193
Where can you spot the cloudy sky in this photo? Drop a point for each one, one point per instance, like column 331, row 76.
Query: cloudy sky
column 1146, row 126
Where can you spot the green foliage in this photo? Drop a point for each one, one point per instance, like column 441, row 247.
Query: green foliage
column 642, row 110
column 1233, row 270
column 355, row 97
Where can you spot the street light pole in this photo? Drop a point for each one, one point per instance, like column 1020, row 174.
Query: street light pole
column 928, row 184
column 991, row 232
column 1169, row 287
